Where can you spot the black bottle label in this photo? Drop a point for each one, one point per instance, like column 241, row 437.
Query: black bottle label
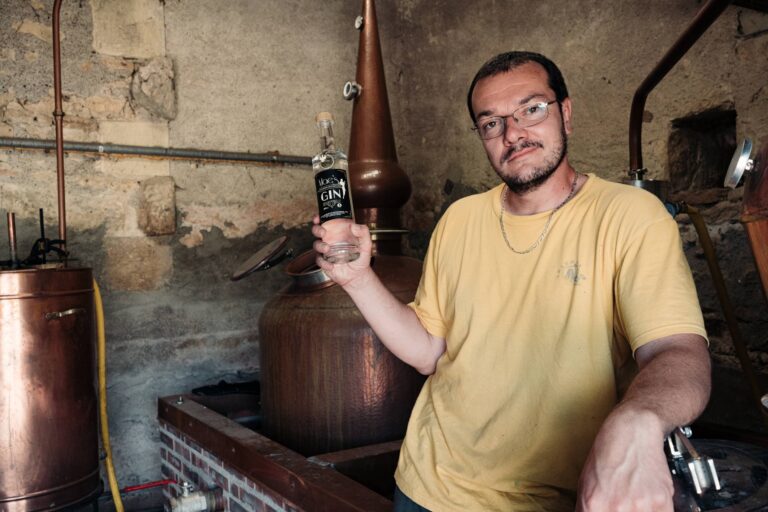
column 333, row 200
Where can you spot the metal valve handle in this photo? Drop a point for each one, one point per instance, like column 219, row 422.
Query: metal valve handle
column 62, row 314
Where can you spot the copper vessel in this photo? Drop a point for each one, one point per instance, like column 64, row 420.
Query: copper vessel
column 380, row 187
column 754, row 213
column 48, row 440
column 327, row 382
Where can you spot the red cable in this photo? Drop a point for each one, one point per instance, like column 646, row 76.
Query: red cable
column 148, row 485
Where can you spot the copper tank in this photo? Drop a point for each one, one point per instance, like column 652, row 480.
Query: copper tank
column 327, row 382
column 754, row 213
column 48, row 439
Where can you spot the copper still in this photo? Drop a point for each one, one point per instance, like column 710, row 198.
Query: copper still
column 327, row 382
column 48, row 441
column 754, row 212
column 48, row 449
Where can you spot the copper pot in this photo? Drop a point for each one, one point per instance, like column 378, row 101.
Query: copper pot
column 48, row 440
column 327, row 382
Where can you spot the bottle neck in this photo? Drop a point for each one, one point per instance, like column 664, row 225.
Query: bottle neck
column 327, row 142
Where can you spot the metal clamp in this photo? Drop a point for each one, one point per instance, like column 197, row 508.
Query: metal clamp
column 62, row 314
column 698, row 469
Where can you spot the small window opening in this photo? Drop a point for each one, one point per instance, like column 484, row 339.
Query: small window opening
column 700, row 148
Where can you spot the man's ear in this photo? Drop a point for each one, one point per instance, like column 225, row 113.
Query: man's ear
column 565, row 108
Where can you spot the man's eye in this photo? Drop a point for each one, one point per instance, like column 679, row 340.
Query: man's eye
column 490, row 125
column 533, row 110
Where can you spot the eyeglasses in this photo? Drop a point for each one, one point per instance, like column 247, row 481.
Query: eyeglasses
column 525, row 116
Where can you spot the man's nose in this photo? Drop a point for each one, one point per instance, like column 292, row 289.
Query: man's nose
column 513, row 132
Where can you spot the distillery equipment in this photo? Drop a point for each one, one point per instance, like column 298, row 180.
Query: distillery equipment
column 327, row 382
column 48, row 443
column 754, row 210
column 712, row 475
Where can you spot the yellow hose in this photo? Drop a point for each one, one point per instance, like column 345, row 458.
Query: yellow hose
column 102, row 356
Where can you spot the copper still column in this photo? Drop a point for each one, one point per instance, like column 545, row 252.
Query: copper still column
column 327, row 382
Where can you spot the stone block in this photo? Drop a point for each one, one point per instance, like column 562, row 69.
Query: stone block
column 129, row 28
column 37, row 30
column 134, row 134
column 157, row 206
column 153, row 88
column 136, row 264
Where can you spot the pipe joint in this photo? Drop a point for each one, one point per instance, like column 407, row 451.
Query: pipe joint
column 197, row 501
column 352, row 90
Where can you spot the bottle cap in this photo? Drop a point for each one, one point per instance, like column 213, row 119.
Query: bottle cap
column 324, row 116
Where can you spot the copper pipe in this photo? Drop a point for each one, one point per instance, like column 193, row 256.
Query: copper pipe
column 12, row 238
column 705, row 17
column 739, row 344
column 379, row 185
column 58, row 116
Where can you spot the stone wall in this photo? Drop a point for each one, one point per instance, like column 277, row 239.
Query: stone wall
column 164, row 236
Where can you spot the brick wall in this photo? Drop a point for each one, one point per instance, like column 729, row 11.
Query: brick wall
column 185, row 460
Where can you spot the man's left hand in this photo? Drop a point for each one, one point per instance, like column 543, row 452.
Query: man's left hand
column 627, row 470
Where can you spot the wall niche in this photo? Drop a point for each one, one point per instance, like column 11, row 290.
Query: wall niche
column 700, row 148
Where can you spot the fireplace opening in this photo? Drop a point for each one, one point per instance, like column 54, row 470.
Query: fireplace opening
column 700, row 148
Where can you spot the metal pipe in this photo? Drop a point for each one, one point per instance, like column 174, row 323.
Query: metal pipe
column 58, row 116
column 705, row 17
column 729, row 313
column 12, row 238
column 157, row 152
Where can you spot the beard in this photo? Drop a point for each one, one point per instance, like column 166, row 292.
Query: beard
column 539, row 175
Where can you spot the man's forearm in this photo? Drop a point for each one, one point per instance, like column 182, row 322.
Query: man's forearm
column 396, row 325
column 626, row 468
column 673, row 383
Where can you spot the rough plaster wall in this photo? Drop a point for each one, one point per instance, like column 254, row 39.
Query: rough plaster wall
column 249, row 76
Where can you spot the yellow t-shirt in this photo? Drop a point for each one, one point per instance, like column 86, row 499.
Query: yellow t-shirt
column 536, row 343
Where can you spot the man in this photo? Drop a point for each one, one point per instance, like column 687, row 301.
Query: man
column 537, row 299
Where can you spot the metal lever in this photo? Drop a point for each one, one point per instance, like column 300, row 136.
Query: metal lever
column 700, row 468
column 61, row 314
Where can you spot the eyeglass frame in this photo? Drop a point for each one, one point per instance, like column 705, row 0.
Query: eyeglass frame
column 503, row 119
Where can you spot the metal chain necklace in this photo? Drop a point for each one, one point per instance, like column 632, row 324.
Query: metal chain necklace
column 546, row 226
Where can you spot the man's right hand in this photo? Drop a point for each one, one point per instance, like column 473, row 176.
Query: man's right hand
column 345, row 274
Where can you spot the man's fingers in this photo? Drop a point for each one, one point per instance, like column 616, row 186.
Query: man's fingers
column 320, row 247
column 318, row 231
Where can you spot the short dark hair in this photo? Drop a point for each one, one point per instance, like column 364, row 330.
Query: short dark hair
column 510, row 60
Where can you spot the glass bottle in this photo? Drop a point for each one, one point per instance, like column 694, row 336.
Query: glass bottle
column 334, row 195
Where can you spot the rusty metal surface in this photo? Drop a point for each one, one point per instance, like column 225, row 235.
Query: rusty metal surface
column 379, row 185
column 754, row 212
column 48, row 442
column 327, row 382
column 308, row 486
